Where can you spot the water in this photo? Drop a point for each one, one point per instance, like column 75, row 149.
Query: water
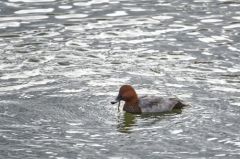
column 62, row 62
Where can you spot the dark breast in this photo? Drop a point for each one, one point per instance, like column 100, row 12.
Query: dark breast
column 132, row 109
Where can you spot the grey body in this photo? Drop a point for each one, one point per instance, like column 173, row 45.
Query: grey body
column 151, row 104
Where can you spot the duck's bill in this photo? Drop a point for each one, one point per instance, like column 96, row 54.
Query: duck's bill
column 118, row 99
column 114, row 102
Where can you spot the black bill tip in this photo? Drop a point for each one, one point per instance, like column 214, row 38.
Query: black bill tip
column 113, row 102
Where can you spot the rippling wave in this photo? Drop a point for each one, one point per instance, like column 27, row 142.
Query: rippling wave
column 62, row 62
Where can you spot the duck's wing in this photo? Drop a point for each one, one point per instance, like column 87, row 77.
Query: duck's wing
column 159, row 104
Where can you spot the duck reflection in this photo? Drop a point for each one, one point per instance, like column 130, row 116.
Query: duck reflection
column 127, row 121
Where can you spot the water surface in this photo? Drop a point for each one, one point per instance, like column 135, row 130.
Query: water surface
column 62, row 62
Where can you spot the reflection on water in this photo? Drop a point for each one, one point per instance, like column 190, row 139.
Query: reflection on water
column 63, row 61
column 126, row 122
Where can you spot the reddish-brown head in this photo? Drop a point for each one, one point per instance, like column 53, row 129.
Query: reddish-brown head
column 127, row 94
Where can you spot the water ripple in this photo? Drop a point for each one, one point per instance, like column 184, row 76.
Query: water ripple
column 62, row 62
column 29, row 11
column 30, row 1
column 69, row 16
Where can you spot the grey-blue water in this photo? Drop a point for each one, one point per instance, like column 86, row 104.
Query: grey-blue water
column 63, row 61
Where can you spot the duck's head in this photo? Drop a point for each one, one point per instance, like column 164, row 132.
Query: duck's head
column 126, row 93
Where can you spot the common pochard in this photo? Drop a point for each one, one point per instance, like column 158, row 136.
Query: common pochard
column 145, row 104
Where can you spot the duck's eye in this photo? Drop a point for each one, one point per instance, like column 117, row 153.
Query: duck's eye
column 126, row 96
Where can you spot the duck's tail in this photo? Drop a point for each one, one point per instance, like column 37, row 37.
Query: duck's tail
column 180, row 105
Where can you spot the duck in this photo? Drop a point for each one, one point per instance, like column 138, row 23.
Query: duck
column 145, row 104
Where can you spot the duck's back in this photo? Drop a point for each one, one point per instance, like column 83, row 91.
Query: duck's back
column 151, row 104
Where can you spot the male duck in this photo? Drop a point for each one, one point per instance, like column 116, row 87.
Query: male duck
column 145, row 104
